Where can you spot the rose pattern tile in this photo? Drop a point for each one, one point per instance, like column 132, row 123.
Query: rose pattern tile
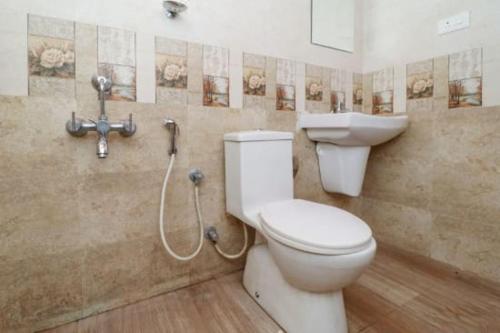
column 357, row 89
column 171, row 71
column 314, row 89
column 285, row 97
column 465, row 79
column 215, row 91
column 51, row 57
column 254, row 81
column 420, row 79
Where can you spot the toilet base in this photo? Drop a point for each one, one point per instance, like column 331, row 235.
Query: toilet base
column 294, row 310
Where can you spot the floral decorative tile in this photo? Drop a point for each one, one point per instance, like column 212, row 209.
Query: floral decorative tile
column 383, row 102
column 51, row 57
column 357, row 89
column 336, row 98
column 124, row 81
column 285, row 97
column 419, row 85
column 465, row 93
column 171, row 71
column 215, row 91
column 420, row 79
column 314, row 89
column 254, row 81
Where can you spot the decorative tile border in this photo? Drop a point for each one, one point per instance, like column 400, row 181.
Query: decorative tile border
column 383, row 91
column 51, row 56
column 201, row 76
column 116, row 58
column 420, row 79
column 465, row 79
column 215, row 76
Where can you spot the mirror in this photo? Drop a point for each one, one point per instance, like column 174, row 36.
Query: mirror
column 332, row 24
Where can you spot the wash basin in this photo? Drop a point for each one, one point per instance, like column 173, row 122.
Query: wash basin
column 343, row 145
column 352, row 128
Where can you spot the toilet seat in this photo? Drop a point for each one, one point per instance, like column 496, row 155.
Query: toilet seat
column 314, row 227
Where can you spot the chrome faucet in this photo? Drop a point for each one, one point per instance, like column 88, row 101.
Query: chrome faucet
column 339, row 107
column 79, row 127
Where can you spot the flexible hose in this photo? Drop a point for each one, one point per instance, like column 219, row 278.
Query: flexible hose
column 162, row 206
column 219, row 250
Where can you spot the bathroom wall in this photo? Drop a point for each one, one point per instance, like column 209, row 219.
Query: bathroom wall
column 435, row 189
column 279, row 28
column 80, row 235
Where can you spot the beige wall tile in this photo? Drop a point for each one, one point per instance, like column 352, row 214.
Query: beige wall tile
column 215, row 61
column 86, row 60
column 254, row 60
column 49, row 86
column 171, row 46
column 116, row 46
column 466, row 64
column 50, row 27
column 383, row 80
column 285, row 72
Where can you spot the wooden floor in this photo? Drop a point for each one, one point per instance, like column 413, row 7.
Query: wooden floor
column 398, row 293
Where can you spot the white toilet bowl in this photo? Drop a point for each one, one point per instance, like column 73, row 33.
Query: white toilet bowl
column 305, row 252
column 317, row 248
column 320, row 273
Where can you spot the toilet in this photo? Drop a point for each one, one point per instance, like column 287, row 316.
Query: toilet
column 304, row 252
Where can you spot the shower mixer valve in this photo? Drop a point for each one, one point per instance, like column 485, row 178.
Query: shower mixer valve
column 80, row 127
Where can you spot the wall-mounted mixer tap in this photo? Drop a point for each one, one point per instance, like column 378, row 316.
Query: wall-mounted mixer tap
column 80, row 127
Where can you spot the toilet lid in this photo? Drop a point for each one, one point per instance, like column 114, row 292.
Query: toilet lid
column 314, row 227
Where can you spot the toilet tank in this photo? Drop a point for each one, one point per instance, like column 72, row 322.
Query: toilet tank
column 258, row 171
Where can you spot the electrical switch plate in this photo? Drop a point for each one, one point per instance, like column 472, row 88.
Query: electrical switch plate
column 454, row 23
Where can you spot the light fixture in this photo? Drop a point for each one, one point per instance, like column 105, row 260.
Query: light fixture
column 172, row 8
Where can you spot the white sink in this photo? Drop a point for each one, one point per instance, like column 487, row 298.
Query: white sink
column 352, row 128
column 344, row 142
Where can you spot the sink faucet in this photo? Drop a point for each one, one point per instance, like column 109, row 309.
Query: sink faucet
column 79, row 127
column 339, row 106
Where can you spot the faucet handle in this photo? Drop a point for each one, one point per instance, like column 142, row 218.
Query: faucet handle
column 128, row 126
